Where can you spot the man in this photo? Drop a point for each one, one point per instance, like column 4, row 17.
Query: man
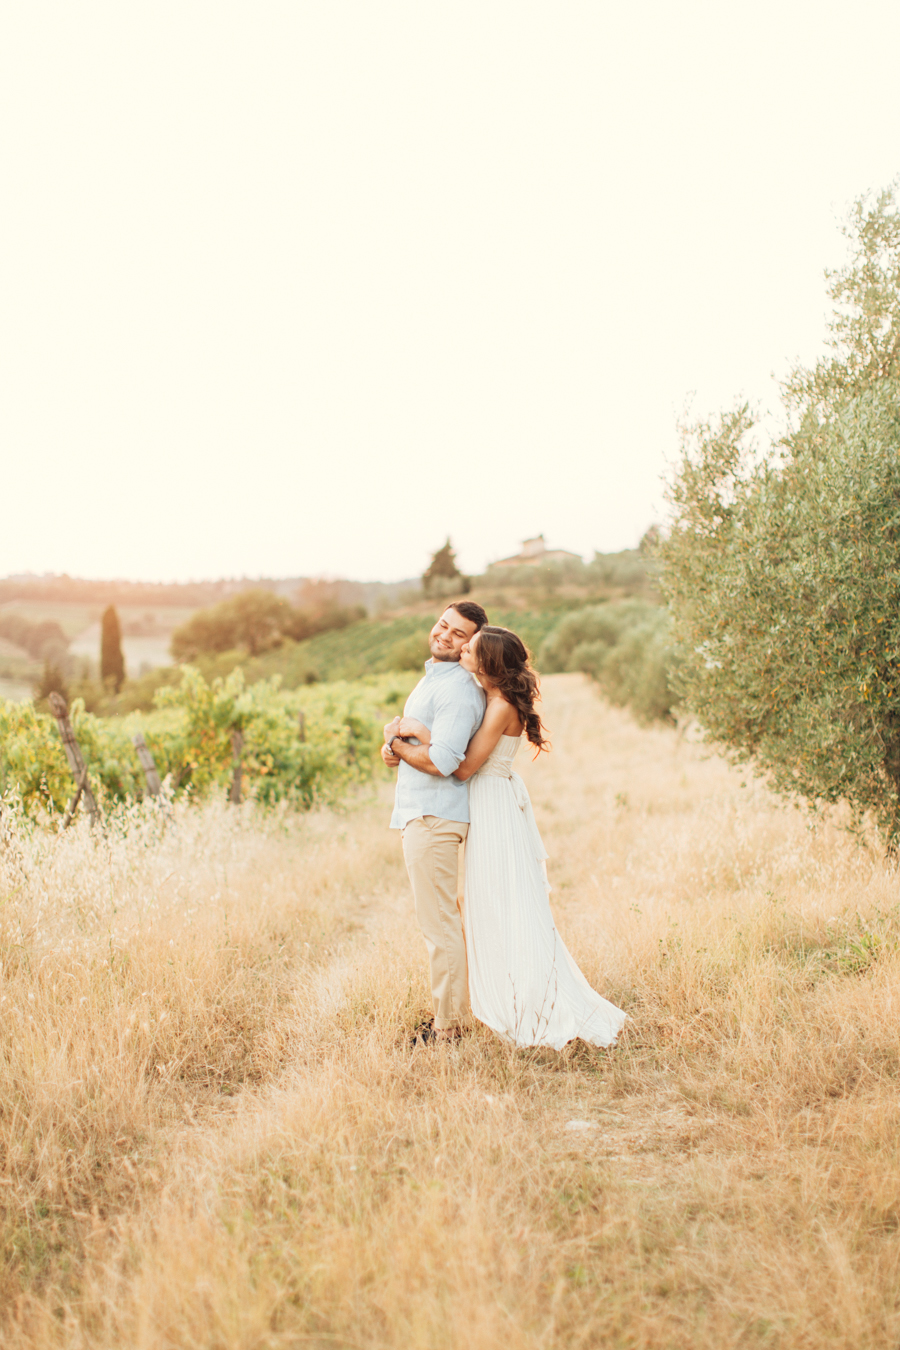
column 431, row 807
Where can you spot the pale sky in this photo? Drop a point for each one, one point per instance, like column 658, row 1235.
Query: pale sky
column 302, row 288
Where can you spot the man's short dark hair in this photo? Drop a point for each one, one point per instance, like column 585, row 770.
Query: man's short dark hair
column 469, row 610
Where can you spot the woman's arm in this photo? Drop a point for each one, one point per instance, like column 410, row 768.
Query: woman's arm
column 484, row 740
column 409, row 726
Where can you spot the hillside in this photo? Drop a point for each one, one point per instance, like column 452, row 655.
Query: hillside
column 372, row 646
column 530, row 599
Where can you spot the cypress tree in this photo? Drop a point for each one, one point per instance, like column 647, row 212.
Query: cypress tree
column 112, row 662
column 442, row 576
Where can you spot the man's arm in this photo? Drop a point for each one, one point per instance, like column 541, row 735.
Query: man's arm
column 395, row 749
column 455, row 718
column 453, row 725
column 418, row 757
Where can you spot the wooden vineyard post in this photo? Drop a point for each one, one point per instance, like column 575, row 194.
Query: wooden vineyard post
column 76, row 762
column 148, row 764
column 237, row 747
column 301, row 725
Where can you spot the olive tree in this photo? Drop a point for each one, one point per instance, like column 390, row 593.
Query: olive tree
column 782, row 568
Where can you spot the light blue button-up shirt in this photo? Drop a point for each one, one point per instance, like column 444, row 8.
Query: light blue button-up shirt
column 450, row 702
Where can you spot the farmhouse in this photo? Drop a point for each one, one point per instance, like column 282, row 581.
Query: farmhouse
column 534, row 552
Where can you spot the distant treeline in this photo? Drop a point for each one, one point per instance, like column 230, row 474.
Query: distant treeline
column 625, row 573
column 194, row 594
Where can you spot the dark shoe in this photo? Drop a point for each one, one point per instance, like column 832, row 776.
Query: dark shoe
column 424, row 1033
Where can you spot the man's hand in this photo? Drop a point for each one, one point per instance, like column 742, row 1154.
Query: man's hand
column 390, row 760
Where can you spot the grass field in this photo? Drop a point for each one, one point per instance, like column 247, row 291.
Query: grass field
column 214, row 1134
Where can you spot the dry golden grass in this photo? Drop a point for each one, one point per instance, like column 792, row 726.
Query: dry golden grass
column 215, row 1135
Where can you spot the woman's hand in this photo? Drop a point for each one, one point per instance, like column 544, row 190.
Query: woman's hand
column 408, row 726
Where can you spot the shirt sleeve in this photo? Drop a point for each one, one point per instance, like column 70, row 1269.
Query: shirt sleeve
column 455, row 721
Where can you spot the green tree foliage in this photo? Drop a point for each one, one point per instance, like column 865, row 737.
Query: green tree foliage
column 112, row 662
column 783, row 569
column 864, row 330
column 255, row 621
column 626, row 646
column 442, row 578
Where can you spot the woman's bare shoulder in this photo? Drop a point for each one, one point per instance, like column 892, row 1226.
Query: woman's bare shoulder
column 496, row 712
column 503, row 715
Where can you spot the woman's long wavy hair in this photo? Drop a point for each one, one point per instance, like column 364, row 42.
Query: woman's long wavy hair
column 504, row 659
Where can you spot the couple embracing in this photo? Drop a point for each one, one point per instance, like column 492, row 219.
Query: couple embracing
column 454, row 750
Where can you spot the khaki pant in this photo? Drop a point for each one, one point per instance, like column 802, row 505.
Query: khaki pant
column 431, row 850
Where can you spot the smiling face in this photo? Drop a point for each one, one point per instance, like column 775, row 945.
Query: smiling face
column 449, row 635
column 468, row 657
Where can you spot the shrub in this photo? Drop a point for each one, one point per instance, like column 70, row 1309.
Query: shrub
column 341, row 735
column 625, row 646
column 636, row 672
column 255, row 621
column 33, row 764
column 190, row 738
column 598, row 625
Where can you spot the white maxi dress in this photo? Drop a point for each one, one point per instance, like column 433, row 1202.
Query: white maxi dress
column 522, row 981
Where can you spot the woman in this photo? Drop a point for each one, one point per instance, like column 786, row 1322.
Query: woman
column 522, row 981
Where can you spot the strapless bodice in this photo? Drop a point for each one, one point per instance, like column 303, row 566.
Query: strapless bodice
column 499, row 763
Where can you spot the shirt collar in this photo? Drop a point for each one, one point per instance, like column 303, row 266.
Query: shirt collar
column 433, row 667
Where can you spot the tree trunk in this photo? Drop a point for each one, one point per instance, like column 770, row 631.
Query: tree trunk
column 891, row 742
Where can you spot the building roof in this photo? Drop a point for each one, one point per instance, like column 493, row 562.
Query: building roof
column 534, row 552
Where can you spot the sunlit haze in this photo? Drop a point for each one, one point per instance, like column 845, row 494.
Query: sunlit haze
column 302, row 289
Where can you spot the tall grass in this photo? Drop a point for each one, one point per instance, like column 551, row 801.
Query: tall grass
column 215, row 1134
